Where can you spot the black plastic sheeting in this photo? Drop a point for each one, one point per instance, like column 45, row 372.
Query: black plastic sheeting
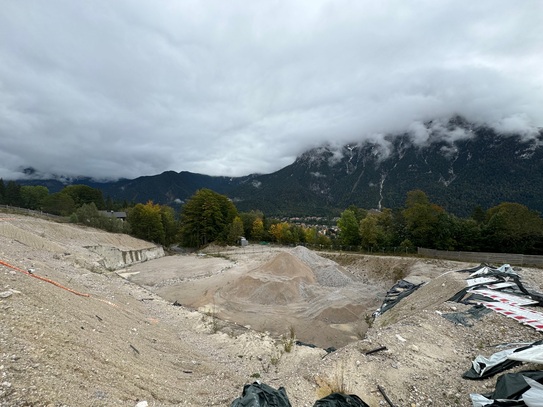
column 330, row 349
column 510, row 389
column 475, row 269
column 485, row 269
column 486, row 372
column 261, row 395
column 497, row 363
column 466, row 318
column 512, row 385
column 398, row 291
column 465, row 297
column 340, row 400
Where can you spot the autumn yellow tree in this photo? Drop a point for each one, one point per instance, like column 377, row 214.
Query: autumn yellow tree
column 146, row 222
column 257, row 231
column 236, row 231
column 279, row 231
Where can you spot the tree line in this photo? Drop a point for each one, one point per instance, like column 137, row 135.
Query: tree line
column 506, row 228
column 208, row 217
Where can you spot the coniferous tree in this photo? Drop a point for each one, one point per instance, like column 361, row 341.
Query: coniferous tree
column 2, row 192
column 32, row 196
column 205, row 218
column 13, row 194
column 83, row 194
column 169, row 223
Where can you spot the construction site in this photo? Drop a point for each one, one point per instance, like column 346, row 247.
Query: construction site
column 90, row 318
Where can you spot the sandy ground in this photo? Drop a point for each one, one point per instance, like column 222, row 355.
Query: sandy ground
column 268, row 289
column 126, row 342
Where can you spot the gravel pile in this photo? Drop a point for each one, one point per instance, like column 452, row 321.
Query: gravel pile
column 327, row 272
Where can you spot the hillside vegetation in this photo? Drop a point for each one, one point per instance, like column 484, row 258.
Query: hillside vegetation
column 460, row 166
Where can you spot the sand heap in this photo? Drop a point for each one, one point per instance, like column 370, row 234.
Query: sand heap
column 281, row 281
column 327, row 272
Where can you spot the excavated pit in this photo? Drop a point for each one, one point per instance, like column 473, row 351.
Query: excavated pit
column 275, row 290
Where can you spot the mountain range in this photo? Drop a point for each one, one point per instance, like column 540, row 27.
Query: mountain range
column 457, row 164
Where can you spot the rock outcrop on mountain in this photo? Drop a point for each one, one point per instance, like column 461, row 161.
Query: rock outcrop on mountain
column 457, row 164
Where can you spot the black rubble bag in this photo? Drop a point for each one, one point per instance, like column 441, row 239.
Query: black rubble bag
column 340, row 400
column 261, row 395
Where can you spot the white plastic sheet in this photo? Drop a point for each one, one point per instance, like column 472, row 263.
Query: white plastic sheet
column 479, row 400
column 491, row 361
column 534, row 396
column 531, row 355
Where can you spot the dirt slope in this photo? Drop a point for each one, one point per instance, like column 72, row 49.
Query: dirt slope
column 124, row 343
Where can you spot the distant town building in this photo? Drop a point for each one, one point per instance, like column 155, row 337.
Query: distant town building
column 112, row 214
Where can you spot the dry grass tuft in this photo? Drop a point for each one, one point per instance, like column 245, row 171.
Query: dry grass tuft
column 334, row 384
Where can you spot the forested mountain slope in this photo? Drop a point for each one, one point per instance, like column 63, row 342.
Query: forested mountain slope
column 458, row 165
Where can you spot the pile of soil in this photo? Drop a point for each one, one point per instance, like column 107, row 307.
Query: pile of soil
column 275, row 289
column 280, row 281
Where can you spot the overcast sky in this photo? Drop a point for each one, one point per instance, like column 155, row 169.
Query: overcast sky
column 126, row 88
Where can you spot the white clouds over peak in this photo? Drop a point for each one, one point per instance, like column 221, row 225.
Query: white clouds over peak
column 131, row 88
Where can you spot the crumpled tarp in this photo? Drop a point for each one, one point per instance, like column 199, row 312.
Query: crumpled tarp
column 261, row 395
column 483, row 367
column 340, row 400
column 523, row 389
column 531, row 355
column 398, row 291
column 465, row 318
column 486, row 269
column 490, row 284
column 534, row 396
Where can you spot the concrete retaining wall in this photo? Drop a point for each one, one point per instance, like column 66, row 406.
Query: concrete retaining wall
column 114, row 258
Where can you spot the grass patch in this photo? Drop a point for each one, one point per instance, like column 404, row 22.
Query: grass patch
column 368, row 318
column 289, row 340
column 334, row 384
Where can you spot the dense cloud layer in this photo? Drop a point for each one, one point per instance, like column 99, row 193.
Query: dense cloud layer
column 126, row 88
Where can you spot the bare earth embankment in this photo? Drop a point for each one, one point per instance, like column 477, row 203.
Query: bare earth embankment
column 126, row 342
